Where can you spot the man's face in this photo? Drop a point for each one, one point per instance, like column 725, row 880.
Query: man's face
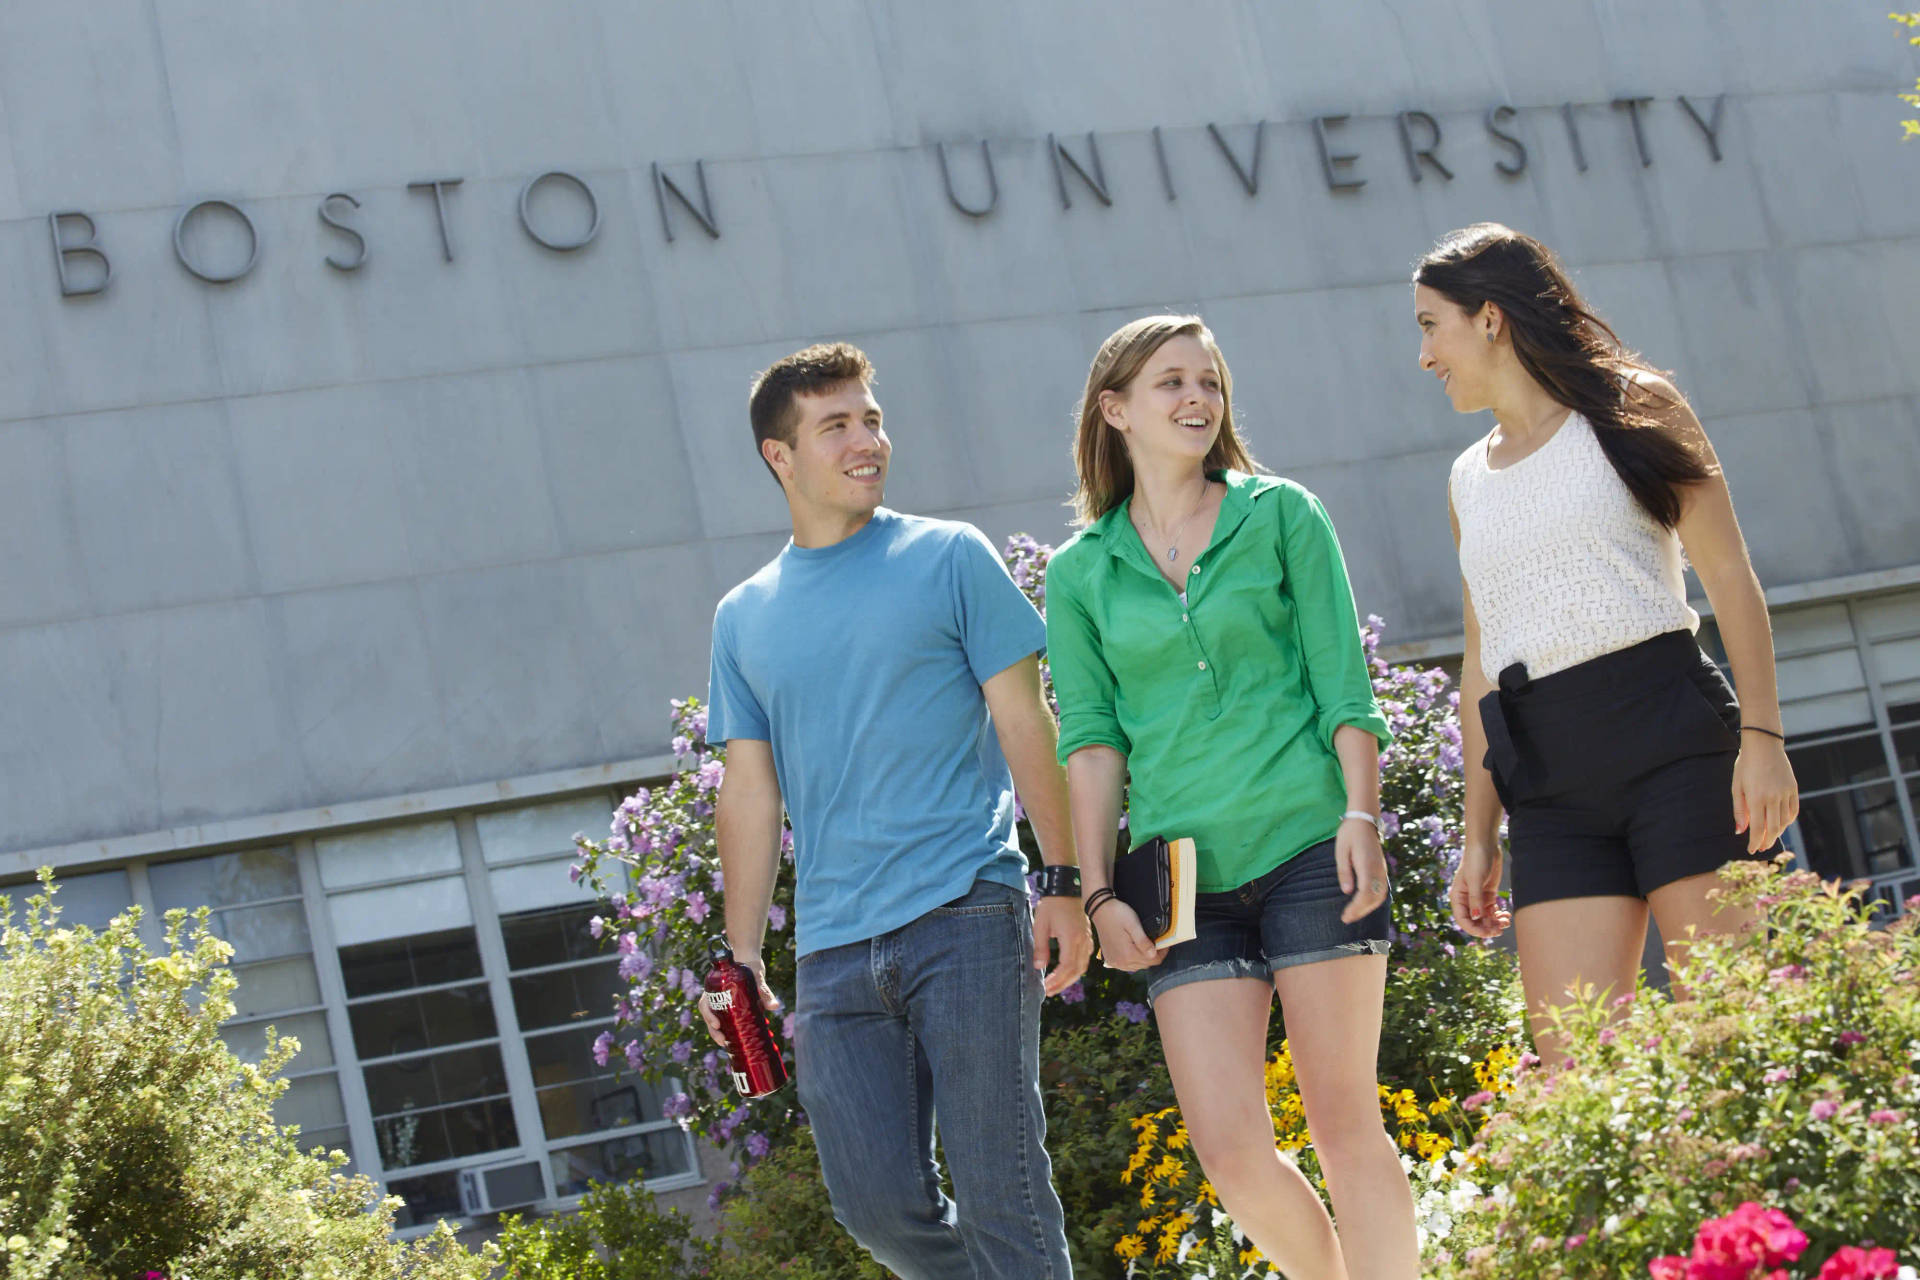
column 837, row 464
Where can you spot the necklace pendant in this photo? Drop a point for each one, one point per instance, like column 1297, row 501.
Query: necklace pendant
column 1173, row 553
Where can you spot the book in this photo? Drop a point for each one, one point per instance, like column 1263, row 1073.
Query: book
column 1157, row 880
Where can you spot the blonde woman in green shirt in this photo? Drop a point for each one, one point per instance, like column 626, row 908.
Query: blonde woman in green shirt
column 1204, row 650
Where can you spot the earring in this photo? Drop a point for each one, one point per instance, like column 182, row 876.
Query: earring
column 1489, row 335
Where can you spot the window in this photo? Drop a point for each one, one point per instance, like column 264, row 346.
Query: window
column 600, row 1125
column 420, row 1008
column 1850, row 697
column 563, row 993
column 258, row 907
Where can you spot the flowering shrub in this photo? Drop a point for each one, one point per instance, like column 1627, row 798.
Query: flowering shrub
column 133, row 1142
column 1791, row 1079
column 1754, row 1243
column 659, row 868
column 1181, row 1224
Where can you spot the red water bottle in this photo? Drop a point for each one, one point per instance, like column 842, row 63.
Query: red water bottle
column 732, row 992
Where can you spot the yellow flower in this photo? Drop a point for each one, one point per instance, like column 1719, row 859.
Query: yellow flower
column 1169, row 1246
column 1129, row 1247
column 1207, row 1195
column 1177, row 1140
column 1146, row 1196
column 1249, row 1256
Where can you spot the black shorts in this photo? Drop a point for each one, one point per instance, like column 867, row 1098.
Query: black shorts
column 1617, row 774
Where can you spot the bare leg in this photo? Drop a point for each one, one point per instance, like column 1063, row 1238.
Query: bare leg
column 1576, row 942
column 1215, row 1037
column 1333, row 1025
column 1683, row 911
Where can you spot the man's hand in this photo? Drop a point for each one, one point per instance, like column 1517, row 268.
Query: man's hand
column 768, row 1001
column 1060, row 920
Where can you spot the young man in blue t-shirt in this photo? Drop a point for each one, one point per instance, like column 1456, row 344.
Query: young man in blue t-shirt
column 881, row 677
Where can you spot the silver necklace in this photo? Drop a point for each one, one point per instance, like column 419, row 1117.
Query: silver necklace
column 1173, row 552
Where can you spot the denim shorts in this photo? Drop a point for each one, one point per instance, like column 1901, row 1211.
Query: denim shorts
column 1287, row 917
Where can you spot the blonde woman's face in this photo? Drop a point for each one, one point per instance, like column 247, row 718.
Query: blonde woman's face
column 1175, row 405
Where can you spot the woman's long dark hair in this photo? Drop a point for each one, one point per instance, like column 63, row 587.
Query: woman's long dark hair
column 1572, row 353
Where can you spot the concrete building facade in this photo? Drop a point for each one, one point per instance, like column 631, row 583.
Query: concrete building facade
column 373, row 447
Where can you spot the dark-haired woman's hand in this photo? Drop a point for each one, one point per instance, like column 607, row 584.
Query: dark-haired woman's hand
column 1766, row 797
column 1124, row 945
column 1475, row 893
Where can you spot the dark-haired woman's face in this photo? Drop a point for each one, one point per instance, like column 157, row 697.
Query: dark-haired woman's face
column 1454, row 348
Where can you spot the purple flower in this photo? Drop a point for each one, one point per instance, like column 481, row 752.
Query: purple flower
column 1134, row 1013
column 626, row 944
column 786, row 1027
column 683, row 745
column 637, row 967
column 1074, row 994
column 1823, row 1109
column 602, row 1048
column 636, row 1059
column 1886, row 1117
column 758, row 1144
column 596, row 926
column 681, row 1051
column 678, row 1106
column 1778, row 1074
column 777, row 917
column 575, row 871
column 708, row 778
column 697, row 907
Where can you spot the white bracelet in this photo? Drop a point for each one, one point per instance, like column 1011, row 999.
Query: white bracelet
column 1363, row 816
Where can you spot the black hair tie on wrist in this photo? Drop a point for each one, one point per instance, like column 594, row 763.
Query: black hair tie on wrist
column 1097, row 899
column 1769, row 732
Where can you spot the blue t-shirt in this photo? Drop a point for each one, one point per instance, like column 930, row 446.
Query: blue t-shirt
column 862, row 664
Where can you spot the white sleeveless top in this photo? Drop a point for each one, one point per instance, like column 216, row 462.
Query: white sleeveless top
column 1562, row 563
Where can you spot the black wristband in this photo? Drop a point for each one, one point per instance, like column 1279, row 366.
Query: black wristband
column 1059, row 882
column 1757, row 729
column 1097, row 899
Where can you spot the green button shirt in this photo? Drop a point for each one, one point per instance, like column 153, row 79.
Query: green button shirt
column 1224, row 703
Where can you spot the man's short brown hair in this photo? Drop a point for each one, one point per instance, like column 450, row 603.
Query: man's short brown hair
column 821, row 367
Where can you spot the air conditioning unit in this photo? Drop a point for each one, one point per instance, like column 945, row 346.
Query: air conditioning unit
column 492, row 1188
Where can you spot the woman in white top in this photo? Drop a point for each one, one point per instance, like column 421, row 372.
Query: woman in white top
column 1619, row 752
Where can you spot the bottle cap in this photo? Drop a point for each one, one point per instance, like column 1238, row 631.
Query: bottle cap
column 721, row 950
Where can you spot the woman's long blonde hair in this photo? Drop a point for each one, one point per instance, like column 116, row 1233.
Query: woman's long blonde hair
column 1100, row 455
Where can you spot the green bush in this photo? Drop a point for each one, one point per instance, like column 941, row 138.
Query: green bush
column 1791, row 1079
column 133, row 1140
column 1446, row 1009
column 1096, row 1079
column 619, row 1232
column 780, row 1223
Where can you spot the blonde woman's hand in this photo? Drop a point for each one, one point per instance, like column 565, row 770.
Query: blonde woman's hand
column 1766, row 797
column 1124, row 945
column 1362, row 867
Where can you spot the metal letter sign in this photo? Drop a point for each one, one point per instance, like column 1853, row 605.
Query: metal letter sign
column 180, row 242
column 91, row 245
column 560, row 246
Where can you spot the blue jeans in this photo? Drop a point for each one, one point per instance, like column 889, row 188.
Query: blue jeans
column 938, row 1019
